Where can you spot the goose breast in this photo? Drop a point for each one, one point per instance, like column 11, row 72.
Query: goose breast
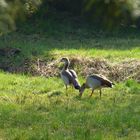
column 66, row 77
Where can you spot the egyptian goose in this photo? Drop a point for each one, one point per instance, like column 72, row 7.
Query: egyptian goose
column 69, row 76
column 95, row 82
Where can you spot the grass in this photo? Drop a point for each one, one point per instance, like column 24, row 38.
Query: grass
column 55, row 38
column 31, row 108
column 37, row 108
column 92, row 47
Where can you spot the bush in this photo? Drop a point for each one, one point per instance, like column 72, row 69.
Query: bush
column 107, row 13
column 11, row 11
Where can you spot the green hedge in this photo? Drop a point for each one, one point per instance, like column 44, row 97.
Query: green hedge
column 108, row 13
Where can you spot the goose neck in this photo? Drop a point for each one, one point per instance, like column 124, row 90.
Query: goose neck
column 66, row 65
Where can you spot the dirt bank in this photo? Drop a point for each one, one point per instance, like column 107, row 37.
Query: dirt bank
column 120, row 71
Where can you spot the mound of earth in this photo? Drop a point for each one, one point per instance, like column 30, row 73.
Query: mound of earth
column 121, row 71
column 129, row 69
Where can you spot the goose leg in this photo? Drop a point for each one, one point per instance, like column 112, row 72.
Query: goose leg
column 66, row 90
column 92, row 92
column 80, row 95
column 100, row 93
column 66, row 87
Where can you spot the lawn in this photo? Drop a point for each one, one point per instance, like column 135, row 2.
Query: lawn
column 38, row 108
column 56, row 38
column 31, row 108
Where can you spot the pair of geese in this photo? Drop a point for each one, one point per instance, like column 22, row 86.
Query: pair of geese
column 94, row 81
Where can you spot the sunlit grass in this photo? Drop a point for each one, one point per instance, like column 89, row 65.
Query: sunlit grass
column 110, row 54
column 65, row 40
column 38, row 108
column 47, row 49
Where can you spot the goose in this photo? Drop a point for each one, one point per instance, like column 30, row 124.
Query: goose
column 69, row 76
column 94, row 82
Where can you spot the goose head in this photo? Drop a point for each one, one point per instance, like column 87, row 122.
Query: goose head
column 66, row 62
column 81, row 90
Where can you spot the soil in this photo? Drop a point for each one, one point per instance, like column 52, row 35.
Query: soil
column 120, row 71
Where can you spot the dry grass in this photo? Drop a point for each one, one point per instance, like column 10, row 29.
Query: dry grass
column 121, row 71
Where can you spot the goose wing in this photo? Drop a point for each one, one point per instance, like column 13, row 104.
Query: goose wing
column 104, row 81
column 69, row 79
column 67, row 75
column 75, row 79
column 73, row 73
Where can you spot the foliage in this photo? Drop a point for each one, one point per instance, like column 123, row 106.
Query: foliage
column 11, row 11
column 112, row 13
column 107, row 13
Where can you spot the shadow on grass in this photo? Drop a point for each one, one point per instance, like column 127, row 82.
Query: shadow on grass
column 38, row 39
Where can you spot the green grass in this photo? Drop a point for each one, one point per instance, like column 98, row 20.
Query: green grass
column 93, row 47
column 38, row 108
column 56, row 38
